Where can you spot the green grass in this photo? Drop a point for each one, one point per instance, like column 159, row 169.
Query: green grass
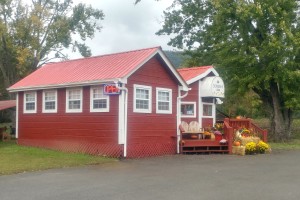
column 17, row 159
column 293, row 145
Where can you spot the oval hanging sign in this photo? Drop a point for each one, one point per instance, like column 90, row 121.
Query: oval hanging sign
column 110, row 89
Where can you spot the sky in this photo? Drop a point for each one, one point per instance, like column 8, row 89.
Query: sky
column 127, row 26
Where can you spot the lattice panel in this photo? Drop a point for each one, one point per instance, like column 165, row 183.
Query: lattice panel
column 110, row 150
column 150, row 149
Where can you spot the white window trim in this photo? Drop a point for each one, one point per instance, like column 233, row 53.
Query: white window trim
column 212, row 110
column 144, row 87
column 24, row 103
column 44, row 102
column 195, row 109
column 67, row 101
column 158, row 89
column 92, row 109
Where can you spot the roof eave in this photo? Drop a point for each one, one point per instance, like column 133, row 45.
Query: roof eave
column 183, row 83
column 197, row 78
column 65, row 85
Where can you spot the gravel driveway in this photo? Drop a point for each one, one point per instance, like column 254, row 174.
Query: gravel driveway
column 184, row 177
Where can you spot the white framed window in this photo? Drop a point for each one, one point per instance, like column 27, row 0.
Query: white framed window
column 49, row 101
column 207, row 110
column 164, row 100
column 188, row 109
column 29, row 102
column 74, row 100
column 142, row 96
column 99, row 102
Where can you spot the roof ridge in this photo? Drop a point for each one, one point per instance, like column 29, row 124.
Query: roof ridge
column 109, row 54
column 194, row 68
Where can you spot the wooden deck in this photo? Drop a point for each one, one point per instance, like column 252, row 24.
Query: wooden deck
column 208, row 146
column 205, row 146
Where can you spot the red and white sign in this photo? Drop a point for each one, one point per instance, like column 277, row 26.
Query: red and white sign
column 111, row 89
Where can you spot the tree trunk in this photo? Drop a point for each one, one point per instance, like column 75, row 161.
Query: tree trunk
column 281, row 119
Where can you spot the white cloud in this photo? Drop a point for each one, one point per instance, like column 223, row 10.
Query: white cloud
column 127, row 26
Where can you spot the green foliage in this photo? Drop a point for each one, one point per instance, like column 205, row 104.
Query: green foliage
column 255, row 45
column 177, row 58
column 33, row 34
column 16, row 159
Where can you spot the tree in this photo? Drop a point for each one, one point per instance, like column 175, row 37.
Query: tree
column 33, row 34
column 255, row 44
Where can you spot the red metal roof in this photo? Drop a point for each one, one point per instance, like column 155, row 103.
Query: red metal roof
column 105, row 67
column 190, row 73
column 7, row 104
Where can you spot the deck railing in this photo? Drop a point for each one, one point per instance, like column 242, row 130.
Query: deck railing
column 231, row 125
column 228, row 134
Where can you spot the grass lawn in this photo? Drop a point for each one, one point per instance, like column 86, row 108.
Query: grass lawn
column 16, row 159
column 293, row 145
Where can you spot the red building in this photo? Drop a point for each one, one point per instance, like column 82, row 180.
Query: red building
column 123, row 104
column 207, row 89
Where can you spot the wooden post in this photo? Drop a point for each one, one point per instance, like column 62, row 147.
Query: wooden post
column 265, row 136
column 230, row 136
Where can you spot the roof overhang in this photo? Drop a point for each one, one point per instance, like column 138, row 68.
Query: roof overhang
column 212, row 86
column 7, row 104
column 201, row 76
column 65, row 85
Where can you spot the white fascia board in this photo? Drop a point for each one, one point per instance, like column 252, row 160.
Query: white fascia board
column 184, row 85
column 66, row 85
column 168, row 63
column 197, row 78
column 140, row 65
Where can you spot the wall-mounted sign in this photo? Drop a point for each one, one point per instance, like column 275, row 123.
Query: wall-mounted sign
column 212, row 86
column 110, row 89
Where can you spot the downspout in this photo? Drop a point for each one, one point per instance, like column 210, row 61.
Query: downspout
column 125, row 116
column 17, row 115
column 179, row 115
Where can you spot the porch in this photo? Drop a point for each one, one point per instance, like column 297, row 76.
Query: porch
column 193, row 141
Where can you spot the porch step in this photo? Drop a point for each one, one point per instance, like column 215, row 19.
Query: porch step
column 223, row 149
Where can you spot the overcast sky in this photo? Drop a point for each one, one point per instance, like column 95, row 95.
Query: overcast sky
column 127, row 26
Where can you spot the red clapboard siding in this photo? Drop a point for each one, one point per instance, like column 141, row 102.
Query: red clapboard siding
column 193, row 96
column 152, row 134
column 207, row 122
column 50, row 129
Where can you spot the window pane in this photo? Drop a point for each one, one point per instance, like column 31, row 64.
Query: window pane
column 74, row 94
column 30, row 106
column 142, row 94
column 30, row 97
column 163, row 96
column 163, row 106
column 142, row 104
column 98, row 93
column 75, row 104
column 100, row 103
column 207, row 110
column 50, row 105
column 187, row 109
column 50, row 96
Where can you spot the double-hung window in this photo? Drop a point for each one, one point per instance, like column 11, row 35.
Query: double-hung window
column 163, row 100
column 207, row 110
column 74, row 100
column 49, row 101
column 99, row 101
column 30, row 102
column 142, row 99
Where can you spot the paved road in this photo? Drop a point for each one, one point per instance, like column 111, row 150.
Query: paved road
column 188, row 177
